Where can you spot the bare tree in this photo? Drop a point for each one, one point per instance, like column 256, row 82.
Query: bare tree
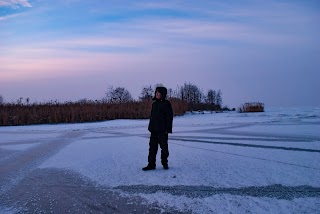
column 214, row 99
column 147, row 93
column 211, row 97
column 118, row 95
column 170, row 93
column 219, row 98
column 1, row 99
column 191, row 93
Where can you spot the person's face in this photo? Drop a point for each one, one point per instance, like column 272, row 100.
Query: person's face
column 158, row 95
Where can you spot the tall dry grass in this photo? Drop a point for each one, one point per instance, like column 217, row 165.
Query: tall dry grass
column 252, row 107
column 79, row 112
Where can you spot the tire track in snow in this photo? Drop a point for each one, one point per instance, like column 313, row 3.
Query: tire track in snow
column 14, row 168
column 225, row 131
column 62, row 191
column 246, row 156
column 272, row 191
column 246, row 145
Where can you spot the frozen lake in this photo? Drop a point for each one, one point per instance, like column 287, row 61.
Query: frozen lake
column 219, row 163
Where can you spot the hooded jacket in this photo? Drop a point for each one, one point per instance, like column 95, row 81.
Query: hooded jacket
column 161, row 117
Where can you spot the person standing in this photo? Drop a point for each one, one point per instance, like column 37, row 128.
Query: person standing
column 160, row 125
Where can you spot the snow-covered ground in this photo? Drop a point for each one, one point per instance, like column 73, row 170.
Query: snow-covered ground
column 219, row 162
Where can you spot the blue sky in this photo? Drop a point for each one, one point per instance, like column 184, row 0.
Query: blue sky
column 253, row 50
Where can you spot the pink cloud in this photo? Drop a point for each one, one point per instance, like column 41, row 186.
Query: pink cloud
column 15, row 3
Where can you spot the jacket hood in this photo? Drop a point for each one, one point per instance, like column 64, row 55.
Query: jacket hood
column 163, row 91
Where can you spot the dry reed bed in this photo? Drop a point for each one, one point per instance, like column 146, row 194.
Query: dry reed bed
column 79, row 112
column 252, row 107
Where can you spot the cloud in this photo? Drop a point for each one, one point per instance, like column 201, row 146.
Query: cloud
column 157, row 5
column 112, row 42
column 202, row 32
column 14, row 3
column 3, row 18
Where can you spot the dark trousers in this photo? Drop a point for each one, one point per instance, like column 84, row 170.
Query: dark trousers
column 162, row 140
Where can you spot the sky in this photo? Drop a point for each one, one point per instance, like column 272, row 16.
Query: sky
column 252, row 50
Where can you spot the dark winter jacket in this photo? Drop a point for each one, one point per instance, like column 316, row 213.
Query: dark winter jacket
column 161, row 114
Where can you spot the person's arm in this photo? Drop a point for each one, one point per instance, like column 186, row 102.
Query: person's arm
column 150, row 118
column 169, row 117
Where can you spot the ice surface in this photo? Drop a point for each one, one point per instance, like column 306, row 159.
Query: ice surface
column 18, row 146
column 215, row 158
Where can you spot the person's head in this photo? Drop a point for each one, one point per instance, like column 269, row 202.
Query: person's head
column 160, row 93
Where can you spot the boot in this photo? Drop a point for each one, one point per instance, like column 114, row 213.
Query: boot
column 149, row 167
column 165, row 164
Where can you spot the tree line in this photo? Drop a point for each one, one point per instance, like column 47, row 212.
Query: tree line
column 116, row 104
column 190, row 93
